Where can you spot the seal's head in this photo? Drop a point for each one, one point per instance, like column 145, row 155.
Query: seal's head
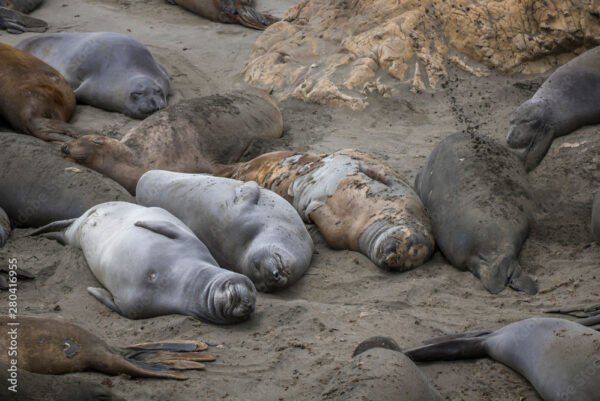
column 233, row 298
column 144, row 97
column 85, row 149
column 271, row 267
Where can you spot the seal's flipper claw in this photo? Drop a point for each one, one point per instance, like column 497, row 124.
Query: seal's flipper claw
column 165, row 228
column 376, row 342
column 104, row 297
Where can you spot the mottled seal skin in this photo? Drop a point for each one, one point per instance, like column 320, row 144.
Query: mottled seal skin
column 358, row 203
column 36, row 99
column 380, row 371
column 228, row 12
column 38, row 186
column 107, row 70
column 16, row 22
column 560, row 358
column 56, row 347
column 247, row 229
column 200, row 135
column 4, row 227
column 152, row 264
column 567, row 100
column 36, row 387
column 477, row 195
column 596, row 217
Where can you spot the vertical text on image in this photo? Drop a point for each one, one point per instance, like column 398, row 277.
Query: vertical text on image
column 12, row 326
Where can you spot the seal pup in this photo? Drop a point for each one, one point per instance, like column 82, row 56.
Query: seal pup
column 379, row 371
column 38, row 186
column 35, row 387
column 56, row 347
column 15, row 22
column 36, row 100
column 194, row 136
column 596, row 217
column 152, row 264
column 477, row 195
column 107, row 70
column 228, row 12
column 567, row 100
column 4, row 227
column 358, row 203
column 560, row 358
column 247, row 229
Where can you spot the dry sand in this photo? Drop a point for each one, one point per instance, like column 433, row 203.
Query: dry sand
column 292, row 346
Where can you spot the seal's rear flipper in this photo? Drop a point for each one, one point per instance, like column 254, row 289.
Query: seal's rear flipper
column 54, row 230
column 179, row 355
column 376, row 342
column 519, row 280
column 469, row 334
column 105, row 297
column 590, row 321
column 458, row 348
column 249, row 17
column 16, row 22
column 170, row 346
column 495, row 277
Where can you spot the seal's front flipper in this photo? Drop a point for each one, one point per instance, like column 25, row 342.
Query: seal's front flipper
column 105, row 297
column 16, row 22
column 376, row 342
column 165, row 228
column 459, row 348
column 247, row 193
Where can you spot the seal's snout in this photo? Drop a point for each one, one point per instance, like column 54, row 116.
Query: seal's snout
column 65, row 149
column 241, row 299
column 517, row 137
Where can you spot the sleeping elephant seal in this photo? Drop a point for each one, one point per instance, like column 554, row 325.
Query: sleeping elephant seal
column 567, row 100
column 152, row 264
column 36, row 99
column 194, row 136
column 560, row 358
column 56, row 347
column 596, row 217
column 228, row 12
column 357, row 202
column 35, row 387
column 4, row 227
column 246, row 228
column 16, row 22
column 379, row 371
column 106, row 70
column 477, row 195
column 38, row 186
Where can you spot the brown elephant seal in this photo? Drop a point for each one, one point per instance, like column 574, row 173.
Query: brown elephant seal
column 596, row 217
column 152, row 264
column 477, row 195
column 560, row 358
column 247, row 229
column 56, row 347
column 379, row 371
column 228, row 12
column 38, row 186
column 107, row 70
column 21, row 385
column 16, row 22
column 358, row 203
column 36, row 100
column 194, row 136
column 4, row 227
column 567, row 100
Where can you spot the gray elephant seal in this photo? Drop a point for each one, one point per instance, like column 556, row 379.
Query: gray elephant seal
column 567, row 100
column 596, row 217
column 38, row 186
column 106, row 70
column 477, row 195
column 380, row 371
column 250, row 230
column 4, row 227
column 560, row 358
column 152, row 265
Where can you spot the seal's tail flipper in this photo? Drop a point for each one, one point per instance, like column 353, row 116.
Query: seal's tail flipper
column 450, row 350
column 519, row 280
column 496, row 276
column 16, row 22
column 179, row 355
column 249, row 17
column 54, row 230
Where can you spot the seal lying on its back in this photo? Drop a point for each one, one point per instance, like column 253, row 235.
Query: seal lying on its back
column 106, row 70
column 567, row 100
column 357, row 202
column 57, row 347
column 36, row 100
column 560, row 358
column 380, row 371
column 38, row 186
column 477, row 195
column 228, row 12
column 194, row 136
column 153, row 265
column 246, row 228
column 596, row 217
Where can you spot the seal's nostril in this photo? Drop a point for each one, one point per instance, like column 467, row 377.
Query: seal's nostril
column 65, row 149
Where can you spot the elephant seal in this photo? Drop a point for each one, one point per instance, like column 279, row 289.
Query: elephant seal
column 357, row 202
column 560, row 358
column 16, row 22
column 228, row 12
column 596, row 217
column 477, row 195
column 107, row 70
column 194, row 136
column 36, row 100
column 247, row 229
column 38, row 186
column 152, row 264
column 567, row 100
column 4, row 227
column 21, row 385
column 24, row 6
column 379, row 371
column 56, row 347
